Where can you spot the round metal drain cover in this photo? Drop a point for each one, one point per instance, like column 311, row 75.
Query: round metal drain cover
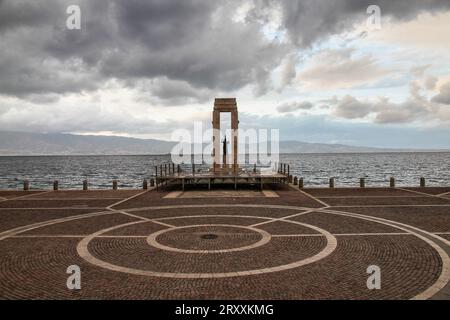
column 209, row 236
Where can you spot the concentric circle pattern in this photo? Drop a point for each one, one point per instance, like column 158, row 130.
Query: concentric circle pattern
column 222, row 238
column 251, row 251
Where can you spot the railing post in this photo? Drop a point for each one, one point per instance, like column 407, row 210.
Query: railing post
column 422, row 182
column 331, row 182
column 392, row 182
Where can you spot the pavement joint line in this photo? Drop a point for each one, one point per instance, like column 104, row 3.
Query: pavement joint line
column 382, row 220
column 21, row 229
column 27, row 195
column 298, row 235
column 423, row 193
column 66, row 199
column 181, row 206
column 214, row 216
column 444, row 277
column 282, row 218
column 73, row 236
column 388, row 205
column 273, row 235
column 128, row 214
column 141, row 218
column 345, row 234
column 310, row 196
column 54, row 208
column 374, row 234
column 350, row 197
column 129, row 198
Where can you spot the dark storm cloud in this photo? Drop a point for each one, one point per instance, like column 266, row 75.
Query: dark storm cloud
column 310, row 20
column 184, row 41
column 192, row 41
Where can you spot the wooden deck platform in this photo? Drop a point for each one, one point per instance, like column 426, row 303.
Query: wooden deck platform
column 210, row 178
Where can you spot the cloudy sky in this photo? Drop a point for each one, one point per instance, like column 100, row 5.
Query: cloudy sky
column 319, row 70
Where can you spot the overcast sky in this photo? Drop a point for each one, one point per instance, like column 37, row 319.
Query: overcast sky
column 315, row 69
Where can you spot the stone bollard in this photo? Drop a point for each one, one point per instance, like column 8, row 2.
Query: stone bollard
column 331, row 182
column 55, row 185
column 290, row 178
column 295, row 181
column 26, row 185
column 300, row 183
column 152, row 182
column 145, row 184
column 362, row 182
column 114, row 185
column 85, row 185
column 392, row 182
column 422, row 182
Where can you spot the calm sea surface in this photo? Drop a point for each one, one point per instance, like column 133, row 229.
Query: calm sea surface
column 315, row 168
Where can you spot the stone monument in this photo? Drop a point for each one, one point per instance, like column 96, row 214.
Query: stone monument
column 225, row 105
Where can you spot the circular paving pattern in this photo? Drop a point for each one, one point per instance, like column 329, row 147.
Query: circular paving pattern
column 230, row 240
column 277, row 249
column 226, row 238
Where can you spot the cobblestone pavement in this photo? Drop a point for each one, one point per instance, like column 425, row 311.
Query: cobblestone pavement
column 283, row 244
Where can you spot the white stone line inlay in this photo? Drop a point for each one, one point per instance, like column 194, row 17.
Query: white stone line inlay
column 152, row 239
column 129, row 198
column 444, row 277
column 84, row 253
column 310, row 196
column 283, row 218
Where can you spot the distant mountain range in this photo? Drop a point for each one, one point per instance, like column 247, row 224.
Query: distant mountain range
column 22, row 143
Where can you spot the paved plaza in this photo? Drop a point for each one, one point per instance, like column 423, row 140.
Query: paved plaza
column 282, row 243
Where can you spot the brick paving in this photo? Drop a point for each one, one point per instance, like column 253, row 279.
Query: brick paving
column 313, row 251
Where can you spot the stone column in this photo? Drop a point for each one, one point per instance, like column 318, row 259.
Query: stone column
column 234, row 139
column 216, row 140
